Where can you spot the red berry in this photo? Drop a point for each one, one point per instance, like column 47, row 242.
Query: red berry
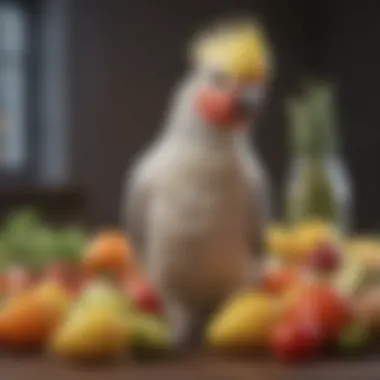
column 325, row 257
column 295, row 341
column 144, row 298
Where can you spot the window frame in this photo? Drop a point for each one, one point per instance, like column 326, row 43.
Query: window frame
column 28, row 172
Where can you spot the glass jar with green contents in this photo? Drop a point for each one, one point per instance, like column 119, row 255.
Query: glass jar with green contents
column 318, row 186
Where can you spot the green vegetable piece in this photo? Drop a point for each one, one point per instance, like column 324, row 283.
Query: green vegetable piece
column 22, row 222
column 148, row 332
column 18, row 235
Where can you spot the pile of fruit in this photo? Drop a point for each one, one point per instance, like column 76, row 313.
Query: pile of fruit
column 80, row 299
column 84, row 298
column 320, row 293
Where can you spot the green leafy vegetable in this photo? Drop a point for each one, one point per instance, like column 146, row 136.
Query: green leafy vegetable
column 70, row 244
column 4, row 256
column 27, row 241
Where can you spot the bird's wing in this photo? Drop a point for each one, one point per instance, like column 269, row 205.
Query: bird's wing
column 260, row 200
column 260, row 210
column 136, row 209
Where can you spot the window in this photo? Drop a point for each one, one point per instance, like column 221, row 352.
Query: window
column 13, row 89
column 33, row 114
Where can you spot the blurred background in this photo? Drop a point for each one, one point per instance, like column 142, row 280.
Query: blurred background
column 84, row 85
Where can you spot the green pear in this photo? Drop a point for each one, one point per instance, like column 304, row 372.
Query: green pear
column 94, row 333
column 103, row 293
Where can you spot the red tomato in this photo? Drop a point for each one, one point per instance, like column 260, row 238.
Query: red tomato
column 294, row 341
column 323, row 305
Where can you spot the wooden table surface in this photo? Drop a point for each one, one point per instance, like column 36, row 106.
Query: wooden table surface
column 30, row 368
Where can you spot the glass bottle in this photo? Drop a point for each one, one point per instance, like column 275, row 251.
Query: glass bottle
column 318, row 185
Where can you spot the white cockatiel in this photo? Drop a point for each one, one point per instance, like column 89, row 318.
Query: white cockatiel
column 198, row 198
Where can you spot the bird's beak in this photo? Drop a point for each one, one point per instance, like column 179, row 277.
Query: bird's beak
column 250, row 98
column 226, row 109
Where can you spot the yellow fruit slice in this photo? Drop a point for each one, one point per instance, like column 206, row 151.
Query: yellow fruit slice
column 245, row 322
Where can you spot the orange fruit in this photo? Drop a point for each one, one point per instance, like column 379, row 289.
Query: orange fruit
column 280, row 279
column 109, row 252
column 25, row 323
column 54, row 298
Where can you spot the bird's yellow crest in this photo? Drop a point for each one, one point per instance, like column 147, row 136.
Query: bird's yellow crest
column 240, row 50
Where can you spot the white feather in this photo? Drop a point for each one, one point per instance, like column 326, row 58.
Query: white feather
column 198, row 195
